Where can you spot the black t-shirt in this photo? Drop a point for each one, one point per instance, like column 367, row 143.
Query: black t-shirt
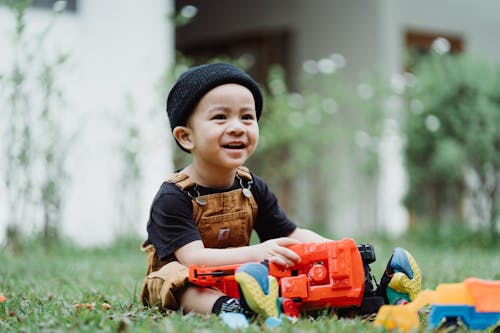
column 171, row 223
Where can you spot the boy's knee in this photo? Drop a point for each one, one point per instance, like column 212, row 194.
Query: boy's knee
column 160, row 287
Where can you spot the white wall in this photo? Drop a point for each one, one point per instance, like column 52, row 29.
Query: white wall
column 118, row 49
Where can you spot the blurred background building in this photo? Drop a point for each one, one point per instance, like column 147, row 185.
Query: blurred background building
column 120, row 52
column 112, row 84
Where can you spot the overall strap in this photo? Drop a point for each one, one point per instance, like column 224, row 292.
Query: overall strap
column 184, row 182
column 181, row 180
column 244, row 172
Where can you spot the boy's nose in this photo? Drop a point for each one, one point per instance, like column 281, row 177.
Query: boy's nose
column 235, row 127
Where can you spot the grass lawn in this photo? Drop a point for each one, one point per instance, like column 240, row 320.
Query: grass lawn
column 67, row 289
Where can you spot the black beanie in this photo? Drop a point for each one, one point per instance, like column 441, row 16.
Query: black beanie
column 193, row 84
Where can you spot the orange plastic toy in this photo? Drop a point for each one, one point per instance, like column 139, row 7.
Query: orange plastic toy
column 330, row 274
column 475, row 301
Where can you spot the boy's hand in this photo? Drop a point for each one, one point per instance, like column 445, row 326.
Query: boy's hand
column 276, row 251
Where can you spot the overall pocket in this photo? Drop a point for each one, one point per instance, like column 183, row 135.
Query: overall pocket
column 226, row 230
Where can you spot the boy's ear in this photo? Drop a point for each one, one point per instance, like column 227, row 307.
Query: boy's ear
column 183, row 136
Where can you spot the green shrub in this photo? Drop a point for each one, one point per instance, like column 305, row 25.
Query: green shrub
column 452, row 130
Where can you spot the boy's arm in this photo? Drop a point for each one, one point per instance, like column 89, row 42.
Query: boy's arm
column 307, row 236
column 274, row 250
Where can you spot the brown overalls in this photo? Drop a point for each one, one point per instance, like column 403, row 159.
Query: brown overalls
column 224, row 220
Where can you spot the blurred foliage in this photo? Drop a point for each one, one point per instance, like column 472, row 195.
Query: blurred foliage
column 130, row 175
column 306, row 134
column 18, row 141
column 296, row 134
column 34, row 144
column 452, row 128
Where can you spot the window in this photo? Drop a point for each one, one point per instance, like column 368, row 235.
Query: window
column 48, row 4
column 419, row 44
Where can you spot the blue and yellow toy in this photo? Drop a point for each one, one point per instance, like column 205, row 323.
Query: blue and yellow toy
column 474, row 302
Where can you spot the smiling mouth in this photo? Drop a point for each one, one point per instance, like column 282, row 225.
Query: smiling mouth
column 234, row 146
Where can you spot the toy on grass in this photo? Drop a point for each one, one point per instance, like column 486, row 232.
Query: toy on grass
column 475, row 302
column 330, row 274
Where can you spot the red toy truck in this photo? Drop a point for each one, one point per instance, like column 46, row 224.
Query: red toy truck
column 332, row 274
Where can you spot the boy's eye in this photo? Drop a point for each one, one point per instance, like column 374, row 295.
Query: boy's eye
column 248, row 116
column 219, row 116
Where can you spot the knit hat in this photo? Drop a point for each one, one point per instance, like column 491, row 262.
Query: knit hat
column 193, row 84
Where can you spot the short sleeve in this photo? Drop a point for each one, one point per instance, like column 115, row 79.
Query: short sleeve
column 171, row 223
column 272, row 221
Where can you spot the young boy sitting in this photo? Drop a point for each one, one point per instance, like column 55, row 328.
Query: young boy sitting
column 205, row 213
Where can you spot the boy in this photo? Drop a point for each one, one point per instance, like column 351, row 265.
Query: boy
column 204, row 214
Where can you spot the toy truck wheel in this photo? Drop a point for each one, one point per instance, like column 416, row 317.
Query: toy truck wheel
column 371, row 304
column 450, row 324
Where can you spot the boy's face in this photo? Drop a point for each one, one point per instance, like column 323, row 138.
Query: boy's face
column 222, row 131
